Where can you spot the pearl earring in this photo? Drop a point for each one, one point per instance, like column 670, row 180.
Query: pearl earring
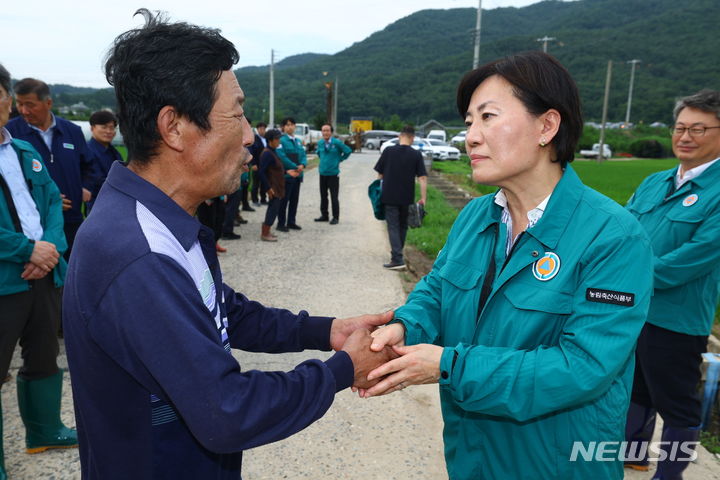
column 543, row 142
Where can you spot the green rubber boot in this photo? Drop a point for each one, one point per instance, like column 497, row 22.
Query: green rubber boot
column 39, row 402
column 3, row 475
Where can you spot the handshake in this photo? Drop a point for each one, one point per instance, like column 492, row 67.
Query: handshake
column 382, row 362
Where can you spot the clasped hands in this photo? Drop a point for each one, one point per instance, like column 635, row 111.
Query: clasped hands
column 382, row 362
column 43, row 259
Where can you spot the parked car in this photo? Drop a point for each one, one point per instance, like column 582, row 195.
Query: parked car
column 459, row 138
column 441, row 150
column 373, row 139
column 418, row 144
column 436, row 135
column 595, row 151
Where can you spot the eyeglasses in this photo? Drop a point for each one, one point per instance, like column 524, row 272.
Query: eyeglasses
column 695, row 131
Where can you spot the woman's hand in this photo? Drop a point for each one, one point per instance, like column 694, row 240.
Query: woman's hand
column 418, row 364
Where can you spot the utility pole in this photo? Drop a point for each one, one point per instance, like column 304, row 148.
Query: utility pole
column 335, row 110
column 329, row 97
column 476, row 56
column 271, row 119
column 630, row 90
column 601, row 153
column 545, row 41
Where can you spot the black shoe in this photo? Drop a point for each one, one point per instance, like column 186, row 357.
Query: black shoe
column 248, row 208
column 263, row 202
column 322, row 218
column 334, row 221
column 282, row 228
column 394, row 266
column 242, row 221
column 231, row 236
column 256, row 203
column 294, row 226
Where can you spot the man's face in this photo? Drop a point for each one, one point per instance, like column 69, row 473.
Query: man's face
column 219, row 156
column 5, row 106
column 103, row 133
column 289, row 128
column 36, row 112
column 694, row 150
column 261, row 131
column 326, row 132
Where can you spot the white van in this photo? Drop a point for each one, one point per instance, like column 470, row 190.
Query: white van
column 437, row 135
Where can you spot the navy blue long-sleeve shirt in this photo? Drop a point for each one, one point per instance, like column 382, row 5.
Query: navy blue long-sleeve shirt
column 148, row 327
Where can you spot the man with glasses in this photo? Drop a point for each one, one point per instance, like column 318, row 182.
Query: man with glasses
column 103, row 125
column 680, row 209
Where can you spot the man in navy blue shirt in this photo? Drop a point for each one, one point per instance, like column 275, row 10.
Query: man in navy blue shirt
column 103, row 125
column 149, row 323
column 62, row 146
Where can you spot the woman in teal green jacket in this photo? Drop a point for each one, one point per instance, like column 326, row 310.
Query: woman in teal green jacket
column 529, row 317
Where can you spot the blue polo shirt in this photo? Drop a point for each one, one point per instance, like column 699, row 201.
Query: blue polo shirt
column 148, row 327
column 69, row 162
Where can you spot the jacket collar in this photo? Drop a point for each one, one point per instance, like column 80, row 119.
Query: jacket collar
column 184, row 227
column 563, row 202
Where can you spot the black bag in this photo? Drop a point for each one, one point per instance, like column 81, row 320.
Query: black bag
column 416, row 213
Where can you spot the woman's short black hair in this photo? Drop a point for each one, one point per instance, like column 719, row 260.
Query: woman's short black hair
column 272, row 134
column 102, row 117
column 540, row 82
column 161, row 64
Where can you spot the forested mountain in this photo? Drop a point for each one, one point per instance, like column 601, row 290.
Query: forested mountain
column 412, row 67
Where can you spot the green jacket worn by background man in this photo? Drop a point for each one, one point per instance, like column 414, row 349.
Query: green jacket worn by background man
column 331, row 155
column 548, row 363
column 15, row 247
column 291, row 153
column 684, row 229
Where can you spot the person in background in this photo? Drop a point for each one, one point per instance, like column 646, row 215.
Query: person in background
column 32, row 270
column 149, row 323
column 680, row 210
column 258, row 195
column 529, row 318
column 331, row 152
column 103, row 125
column 211, row 213
column 62, row 146
column 272, row 177
column 397, row 167
column 292, row 153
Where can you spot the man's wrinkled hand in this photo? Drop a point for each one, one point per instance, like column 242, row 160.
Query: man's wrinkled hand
column 342, row 328
column 33, row 272
column 365, row 360
column 45, row 255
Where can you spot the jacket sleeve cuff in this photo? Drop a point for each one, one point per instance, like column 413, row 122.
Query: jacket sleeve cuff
column 343, row 370
column 315, row 334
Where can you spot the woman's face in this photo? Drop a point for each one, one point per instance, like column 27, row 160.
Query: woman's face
column 502, row 136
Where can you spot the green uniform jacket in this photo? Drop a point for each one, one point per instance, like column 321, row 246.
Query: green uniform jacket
column 291, row 153
column 331, row 156
column 684, row 230
column 547, row 362
column 16, row 248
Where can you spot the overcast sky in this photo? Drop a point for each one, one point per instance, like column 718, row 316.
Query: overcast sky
column 64, row 41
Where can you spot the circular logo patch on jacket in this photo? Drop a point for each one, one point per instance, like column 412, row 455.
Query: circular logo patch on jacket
column 690, row 200
column 546, row 267
column 36, row 165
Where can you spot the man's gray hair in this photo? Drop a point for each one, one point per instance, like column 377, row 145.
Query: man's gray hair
column 706, row 100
